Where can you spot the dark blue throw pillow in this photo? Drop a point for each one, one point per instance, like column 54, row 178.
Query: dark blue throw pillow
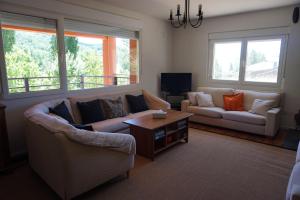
column 84, row 127
column 137, row 103
column 62, row 111
column 90, row 111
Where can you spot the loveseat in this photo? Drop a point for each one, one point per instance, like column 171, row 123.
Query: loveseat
column 293, row 188
column 73, row 161
column 266, row 125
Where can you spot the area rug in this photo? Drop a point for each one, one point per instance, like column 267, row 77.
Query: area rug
column 209, row 167
column 292, row 139
column 284, row 138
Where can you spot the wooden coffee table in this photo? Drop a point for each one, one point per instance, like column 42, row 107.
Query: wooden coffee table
column 155, row 135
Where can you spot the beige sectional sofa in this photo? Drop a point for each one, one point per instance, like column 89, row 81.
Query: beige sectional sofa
column 293, row 188
column 73, row 161
column 239, row 120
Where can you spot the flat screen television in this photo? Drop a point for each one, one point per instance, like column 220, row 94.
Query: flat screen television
column 176, row 83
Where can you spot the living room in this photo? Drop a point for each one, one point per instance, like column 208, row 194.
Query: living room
column 206, row 164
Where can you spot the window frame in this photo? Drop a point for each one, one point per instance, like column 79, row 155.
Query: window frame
column 243, row 58
column 61, row 66
column 63, row 90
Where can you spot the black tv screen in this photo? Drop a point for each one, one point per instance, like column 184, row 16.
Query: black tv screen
column 176, row 83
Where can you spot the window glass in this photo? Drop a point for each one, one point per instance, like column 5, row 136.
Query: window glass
column 30, row 49
column 263, row 60
column 226, row 61
column 99, row 56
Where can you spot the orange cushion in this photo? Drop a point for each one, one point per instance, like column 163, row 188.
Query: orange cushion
column 234, row 102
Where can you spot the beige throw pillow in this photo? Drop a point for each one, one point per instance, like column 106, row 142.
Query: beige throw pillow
column 204, row 100
column 113, row 108
column 192, row 97
column 261, row 107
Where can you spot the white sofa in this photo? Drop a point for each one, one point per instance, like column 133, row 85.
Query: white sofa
column 293, row 189
column 71, row 167
column 239, row 120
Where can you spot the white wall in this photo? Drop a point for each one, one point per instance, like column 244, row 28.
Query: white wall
column 155, row 56
column 190, row 51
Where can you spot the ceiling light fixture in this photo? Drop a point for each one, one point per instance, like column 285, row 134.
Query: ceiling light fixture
column 183, row 21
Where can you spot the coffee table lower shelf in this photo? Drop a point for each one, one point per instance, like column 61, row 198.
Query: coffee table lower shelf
column 149, row 146
column 153, row 136
column 170, row 145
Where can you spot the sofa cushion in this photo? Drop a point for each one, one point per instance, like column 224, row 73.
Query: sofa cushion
column 62, row 111
column 113, row 108
column 234, row 102
column 244, row 116
column 111, row 125
column 204, row 100
column 214, row 112
column 217, row 94
column 261, row 107
column 140, row 114
column 136, row 103
column 104, row 95
column 90, row 111
column 192, row 97
column 250, row 96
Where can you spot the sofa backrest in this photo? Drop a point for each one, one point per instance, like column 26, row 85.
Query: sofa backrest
column 217, row 94
column 43, row 108
column 39, row 114
column 249, row 96
column 74, row 99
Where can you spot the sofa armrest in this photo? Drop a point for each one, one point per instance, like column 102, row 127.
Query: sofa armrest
column 75, row 168
column 295, row 193
column 154, row 102
column 184, row 105
column 124, row 143
column 272, row 122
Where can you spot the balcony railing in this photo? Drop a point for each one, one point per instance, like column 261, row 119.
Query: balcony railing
column 29, row 84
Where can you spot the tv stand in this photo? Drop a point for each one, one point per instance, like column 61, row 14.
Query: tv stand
column 175, row 100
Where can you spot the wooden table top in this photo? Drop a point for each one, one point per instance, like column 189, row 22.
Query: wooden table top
column 148, row 122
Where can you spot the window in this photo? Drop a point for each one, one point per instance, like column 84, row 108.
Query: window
column 248, row 60
column 30, row 52
column 32, row 56
column 99, row 56
column 262, row 60
column 227, row 61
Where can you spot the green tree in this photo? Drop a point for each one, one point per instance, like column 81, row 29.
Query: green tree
column 71, row 46
column 256, row 57
column 19, row 64
column 92, row 63
column 123, row 56
column 9, row 39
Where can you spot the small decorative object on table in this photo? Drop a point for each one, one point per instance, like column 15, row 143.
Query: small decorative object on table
column 160, row 114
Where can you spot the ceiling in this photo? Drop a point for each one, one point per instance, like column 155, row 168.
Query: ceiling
column 211, row 8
